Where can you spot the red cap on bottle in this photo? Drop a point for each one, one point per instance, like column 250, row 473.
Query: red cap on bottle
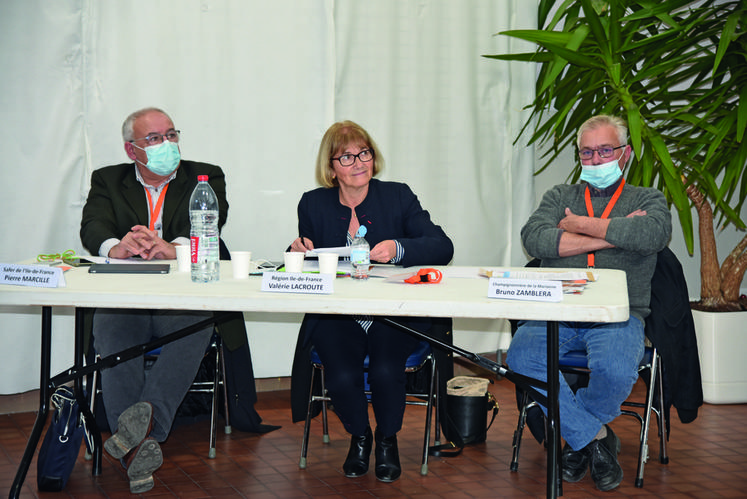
column 202, row 178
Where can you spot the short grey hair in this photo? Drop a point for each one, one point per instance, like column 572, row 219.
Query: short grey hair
column 128, row 133
column 603, row 120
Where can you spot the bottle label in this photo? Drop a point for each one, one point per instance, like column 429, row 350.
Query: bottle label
column 204, row 249
column 359, row 256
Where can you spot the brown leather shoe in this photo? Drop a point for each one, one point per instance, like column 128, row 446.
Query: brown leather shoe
column 141, row 464
column 133, row 425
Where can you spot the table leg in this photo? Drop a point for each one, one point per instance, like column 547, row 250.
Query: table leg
column 41, row 417
column 93, row 435
column 554, row 477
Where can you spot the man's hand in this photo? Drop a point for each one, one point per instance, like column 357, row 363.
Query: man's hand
column 384, row 251
column 589, row 226
column 585, row 234
column 582, row 234
column 142, row 242
column 572, row 222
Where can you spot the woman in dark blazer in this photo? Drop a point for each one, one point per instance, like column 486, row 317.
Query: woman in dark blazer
column 399, row 231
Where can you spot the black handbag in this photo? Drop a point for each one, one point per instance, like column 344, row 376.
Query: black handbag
column 467, row 416
column 61, row 444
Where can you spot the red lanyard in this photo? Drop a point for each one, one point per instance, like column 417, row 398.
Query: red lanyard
column 155, row 210
column 605, row 214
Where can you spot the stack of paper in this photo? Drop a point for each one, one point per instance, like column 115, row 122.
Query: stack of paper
column 574, row 281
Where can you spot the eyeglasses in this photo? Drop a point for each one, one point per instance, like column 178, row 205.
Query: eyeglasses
column 365, row 156
column 154, row 139
column 604, row 152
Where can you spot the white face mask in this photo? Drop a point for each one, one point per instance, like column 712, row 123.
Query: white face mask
column 601, row 176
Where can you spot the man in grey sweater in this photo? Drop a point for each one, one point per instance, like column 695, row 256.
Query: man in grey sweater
column 605, row 223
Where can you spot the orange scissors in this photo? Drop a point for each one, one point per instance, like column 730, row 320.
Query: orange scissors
column 425, row 276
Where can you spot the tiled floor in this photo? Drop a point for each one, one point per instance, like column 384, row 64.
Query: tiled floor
column 708, row 458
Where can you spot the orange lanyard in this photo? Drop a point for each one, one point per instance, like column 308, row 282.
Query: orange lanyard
column 155, row 210
column 605, row 214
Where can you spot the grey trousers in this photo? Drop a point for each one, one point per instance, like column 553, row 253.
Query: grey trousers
column 168, row 380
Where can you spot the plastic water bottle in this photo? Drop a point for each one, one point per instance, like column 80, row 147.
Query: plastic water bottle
column 360, row 254
column 204, row 235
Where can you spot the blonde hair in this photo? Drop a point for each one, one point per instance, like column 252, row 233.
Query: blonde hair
column 336, row 138
column 604, row 120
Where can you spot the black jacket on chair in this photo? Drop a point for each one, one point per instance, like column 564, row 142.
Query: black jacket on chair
column 671, row 330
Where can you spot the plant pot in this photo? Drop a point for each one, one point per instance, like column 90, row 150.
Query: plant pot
column 722, row 348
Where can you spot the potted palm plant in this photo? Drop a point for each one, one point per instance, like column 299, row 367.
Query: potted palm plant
column 677, row 70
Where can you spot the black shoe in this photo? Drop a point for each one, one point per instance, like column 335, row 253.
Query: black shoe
column 356, row 464
column 575, row 463
column 388, row 468
column 605, row 470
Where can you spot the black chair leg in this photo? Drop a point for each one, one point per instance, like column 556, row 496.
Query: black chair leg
column 525, row 404
column 429, row 415
column 214, row 404
column 227, row 428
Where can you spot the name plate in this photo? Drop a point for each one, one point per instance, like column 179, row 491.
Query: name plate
column 525, row 289
column 40, row 276
column 289, row 282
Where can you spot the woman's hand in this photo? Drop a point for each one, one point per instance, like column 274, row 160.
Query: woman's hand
column 384, row 251
column 302, row 244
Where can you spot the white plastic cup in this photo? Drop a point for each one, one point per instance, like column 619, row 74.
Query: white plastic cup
column 293, row 261
column 327, row 263
column 240, row 262
column 183, row 258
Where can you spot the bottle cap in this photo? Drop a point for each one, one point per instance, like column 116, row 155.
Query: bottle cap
column 202, row 178
column 361, row 231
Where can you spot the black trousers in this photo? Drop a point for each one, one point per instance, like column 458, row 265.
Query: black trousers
column 342, row 345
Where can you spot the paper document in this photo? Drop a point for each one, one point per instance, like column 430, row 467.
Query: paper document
column 341, row 251
column 574, row 281
column 343, row 268
column 541, row 275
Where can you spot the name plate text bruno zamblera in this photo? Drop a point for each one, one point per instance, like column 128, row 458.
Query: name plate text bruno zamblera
column 288, row 282
column 525, row 289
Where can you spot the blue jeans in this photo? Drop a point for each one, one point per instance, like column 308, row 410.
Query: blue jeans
column 614, row 352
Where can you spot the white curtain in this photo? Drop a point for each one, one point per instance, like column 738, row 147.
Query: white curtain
column 253, row 85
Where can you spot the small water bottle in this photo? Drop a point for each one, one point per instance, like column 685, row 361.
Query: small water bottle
column 204, row 235
column 360, row 254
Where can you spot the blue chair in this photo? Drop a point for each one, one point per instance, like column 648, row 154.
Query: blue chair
column 575, row 363
column 422, row 356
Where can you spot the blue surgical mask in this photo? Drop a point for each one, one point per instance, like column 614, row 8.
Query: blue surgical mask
column 163, row 158
column 601, row 176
